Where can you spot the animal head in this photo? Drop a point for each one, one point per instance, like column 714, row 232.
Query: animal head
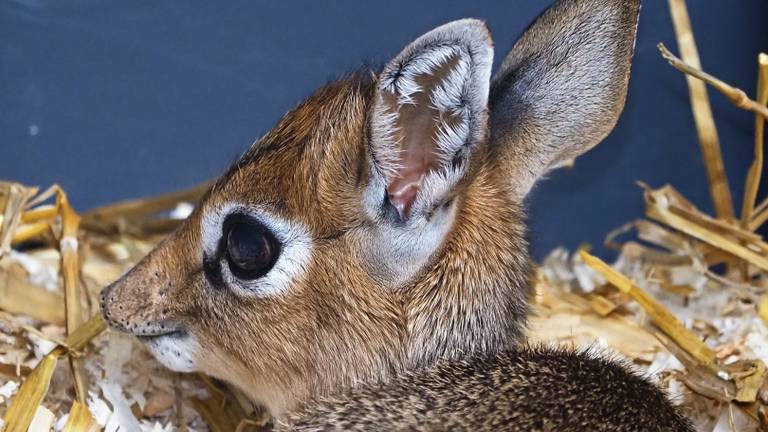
column 378, row 226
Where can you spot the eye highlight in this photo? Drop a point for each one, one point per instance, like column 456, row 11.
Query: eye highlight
column 250, row 248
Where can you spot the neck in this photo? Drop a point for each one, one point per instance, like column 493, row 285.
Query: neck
column 475, row 297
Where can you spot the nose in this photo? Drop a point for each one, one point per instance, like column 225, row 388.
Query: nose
column 136, row 323
column 141, row 303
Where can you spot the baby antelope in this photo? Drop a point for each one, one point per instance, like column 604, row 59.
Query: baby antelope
column 364, row 265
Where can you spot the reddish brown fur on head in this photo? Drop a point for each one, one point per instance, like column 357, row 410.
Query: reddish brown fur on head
column 397, row 228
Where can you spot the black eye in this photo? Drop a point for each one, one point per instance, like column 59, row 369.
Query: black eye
column 251, row 248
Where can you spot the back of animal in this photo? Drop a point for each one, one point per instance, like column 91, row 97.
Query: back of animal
column 536, row 389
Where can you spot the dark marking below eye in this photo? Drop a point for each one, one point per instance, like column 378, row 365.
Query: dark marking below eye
column 212, row 271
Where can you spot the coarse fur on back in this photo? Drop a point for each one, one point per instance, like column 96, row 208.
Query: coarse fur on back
column 377, row 231
column 535, row 389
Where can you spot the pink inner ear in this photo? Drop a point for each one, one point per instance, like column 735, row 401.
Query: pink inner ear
column 417, row 154
column 418, row 123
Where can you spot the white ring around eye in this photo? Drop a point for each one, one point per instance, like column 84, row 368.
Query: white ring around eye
column 295, row 253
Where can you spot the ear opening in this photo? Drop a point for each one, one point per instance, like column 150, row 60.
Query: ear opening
column 429, row 113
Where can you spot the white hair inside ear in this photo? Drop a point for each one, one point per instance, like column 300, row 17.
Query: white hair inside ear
column 429, row 113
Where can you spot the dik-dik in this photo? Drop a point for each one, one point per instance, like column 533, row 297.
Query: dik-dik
column 364, row 265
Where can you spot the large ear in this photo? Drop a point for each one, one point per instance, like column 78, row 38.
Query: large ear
column 429, row 113
column 561, row 89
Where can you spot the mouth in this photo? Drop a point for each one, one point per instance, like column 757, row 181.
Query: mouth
column 154, row 330
column 175, row 334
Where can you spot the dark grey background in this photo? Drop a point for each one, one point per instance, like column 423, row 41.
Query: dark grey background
column 118, row 99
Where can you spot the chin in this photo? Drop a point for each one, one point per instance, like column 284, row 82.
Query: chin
column 177, row 351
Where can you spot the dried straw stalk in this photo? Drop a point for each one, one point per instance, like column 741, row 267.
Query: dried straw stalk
column 658, row 208
column 73, row 290
column 756, row 169
column 735, row 95
column 80, row 419
column 760, row 215
column 31, row 394
column 702, row 114
column 14, row 199
column 18, row 296
column 660, row 316
column 46, row 306
column 112, row 218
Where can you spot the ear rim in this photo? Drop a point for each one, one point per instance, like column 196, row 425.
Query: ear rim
column 470, row 37
column 470, row 33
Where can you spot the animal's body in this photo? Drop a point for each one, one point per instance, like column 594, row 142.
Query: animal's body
column 533, row 389
column 364, row 264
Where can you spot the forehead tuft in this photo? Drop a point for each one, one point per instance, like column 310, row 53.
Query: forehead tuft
column 312, row 161
column 333, row 105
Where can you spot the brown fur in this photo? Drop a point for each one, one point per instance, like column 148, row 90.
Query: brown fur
column 294, row 343
column 349, row 318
